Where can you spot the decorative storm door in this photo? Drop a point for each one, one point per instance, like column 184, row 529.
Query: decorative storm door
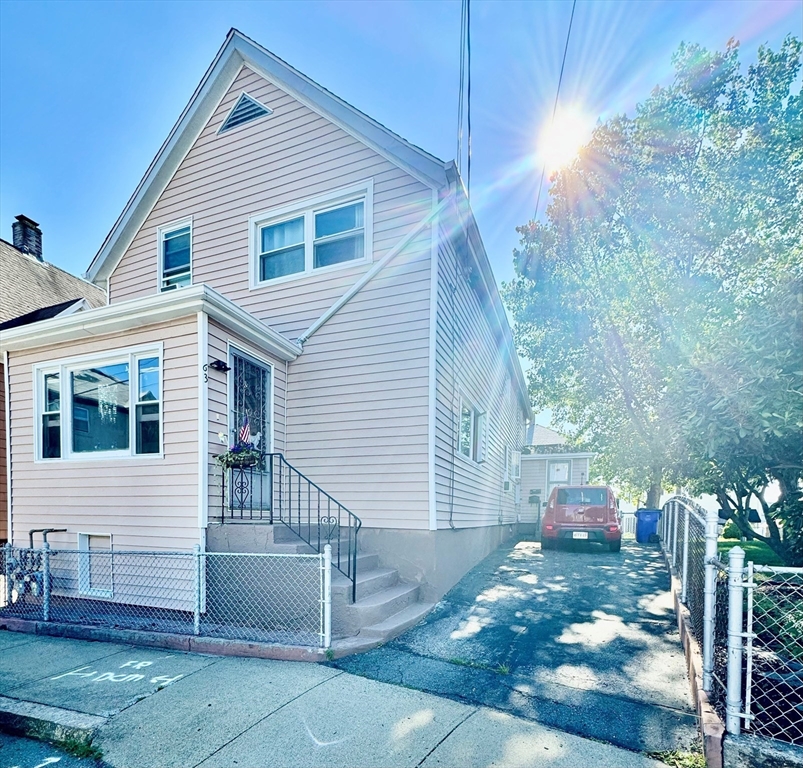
column 250, row 422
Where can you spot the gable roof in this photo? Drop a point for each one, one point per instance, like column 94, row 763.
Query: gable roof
column 238, row 51
column 28, row 285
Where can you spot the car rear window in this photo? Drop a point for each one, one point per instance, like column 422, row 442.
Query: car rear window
column 587, row 496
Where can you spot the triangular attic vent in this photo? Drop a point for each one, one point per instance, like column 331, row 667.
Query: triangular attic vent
column 245, row 110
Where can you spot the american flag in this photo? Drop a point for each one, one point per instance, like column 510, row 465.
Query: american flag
column 245, row 431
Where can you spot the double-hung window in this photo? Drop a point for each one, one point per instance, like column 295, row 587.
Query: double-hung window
column 106, row 406
column 175, row 255
column 323, row 233
column 471, row 432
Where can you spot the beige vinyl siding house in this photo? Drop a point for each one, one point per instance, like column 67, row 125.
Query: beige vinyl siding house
column 143, row 502
column 345, row 267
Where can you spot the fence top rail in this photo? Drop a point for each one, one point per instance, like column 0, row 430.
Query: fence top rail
column 778, row 569
column 691, row 505
column 168, row 553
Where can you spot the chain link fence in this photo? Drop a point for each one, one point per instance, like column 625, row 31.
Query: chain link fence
column 773, row 693
column 748, row 620
column 275, row 598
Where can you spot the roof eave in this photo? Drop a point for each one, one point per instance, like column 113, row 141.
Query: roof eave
column 136, row 313
column 477, row 249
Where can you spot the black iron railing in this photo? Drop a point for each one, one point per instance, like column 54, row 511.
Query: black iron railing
column 272, row 490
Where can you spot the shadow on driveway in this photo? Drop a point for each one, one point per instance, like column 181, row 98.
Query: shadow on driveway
column 580, row 639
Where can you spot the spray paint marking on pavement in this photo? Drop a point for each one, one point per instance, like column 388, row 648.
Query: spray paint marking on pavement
column 96, row 676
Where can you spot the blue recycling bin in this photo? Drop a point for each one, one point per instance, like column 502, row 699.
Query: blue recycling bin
column 647, row 524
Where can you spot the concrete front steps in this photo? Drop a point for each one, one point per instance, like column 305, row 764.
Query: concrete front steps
column 385, row 606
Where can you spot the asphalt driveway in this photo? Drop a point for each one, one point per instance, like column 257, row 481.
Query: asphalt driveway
column 583, row 640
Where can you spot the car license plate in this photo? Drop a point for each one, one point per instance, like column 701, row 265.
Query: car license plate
column 580, row 534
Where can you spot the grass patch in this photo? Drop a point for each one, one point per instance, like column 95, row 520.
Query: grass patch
column 81, row 749
column 757, row 551
column 501, row 669
column 676, row 758
column 330, row 654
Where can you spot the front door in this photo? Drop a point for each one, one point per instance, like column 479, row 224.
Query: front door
column 250, row 422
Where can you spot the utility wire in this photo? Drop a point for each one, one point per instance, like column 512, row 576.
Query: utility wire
column 555, row 105
column 464, row 91
column 468, row 96
column 461, row 87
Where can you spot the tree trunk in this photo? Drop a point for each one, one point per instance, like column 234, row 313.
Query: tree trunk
column 654, row 494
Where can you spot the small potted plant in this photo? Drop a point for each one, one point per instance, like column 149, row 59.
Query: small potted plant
column 239, row 456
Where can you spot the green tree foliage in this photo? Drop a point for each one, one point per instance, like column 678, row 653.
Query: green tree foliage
column 674, row 233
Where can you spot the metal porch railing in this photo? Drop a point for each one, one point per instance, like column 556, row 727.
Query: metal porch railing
column 272, row 490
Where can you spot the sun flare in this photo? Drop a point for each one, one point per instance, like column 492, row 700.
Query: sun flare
column 561, row 139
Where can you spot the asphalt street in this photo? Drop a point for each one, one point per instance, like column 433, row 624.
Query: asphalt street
column 16, row 752
column 579, row 639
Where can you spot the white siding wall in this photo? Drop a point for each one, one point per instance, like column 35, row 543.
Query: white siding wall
column 293, row 155
column 144, row 503
column 468, row 362
column 357, row 408
column 533, row 477
column 357, row 397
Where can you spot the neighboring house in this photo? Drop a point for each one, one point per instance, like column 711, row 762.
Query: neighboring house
column 290, row 260
column 547, row 462
column 32, row 290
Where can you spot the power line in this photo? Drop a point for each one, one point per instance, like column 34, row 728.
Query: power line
column 468, row 96
column 555, row 105
column 464, row 91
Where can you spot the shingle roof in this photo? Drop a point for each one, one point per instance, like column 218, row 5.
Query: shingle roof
column 28, row 285
column 45, row 313
column 545, row 436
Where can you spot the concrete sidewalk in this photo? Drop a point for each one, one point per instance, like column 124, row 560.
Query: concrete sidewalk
column 146, row 708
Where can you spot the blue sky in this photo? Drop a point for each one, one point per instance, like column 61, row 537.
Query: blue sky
column 88, row 91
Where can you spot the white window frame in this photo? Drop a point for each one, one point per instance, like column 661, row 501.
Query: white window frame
column 479, row 427
column 67, row 366
column 306, row 209
column 84, row 569
column 161, row 232
column 512, row 473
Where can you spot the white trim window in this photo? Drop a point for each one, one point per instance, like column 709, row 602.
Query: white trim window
column 512, row 471
column 471, row 436
column 316, row 235
column 105, row 406
column 175, row 255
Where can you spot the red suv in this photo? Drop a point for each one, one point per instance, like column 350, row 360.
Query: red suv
column 581, row 512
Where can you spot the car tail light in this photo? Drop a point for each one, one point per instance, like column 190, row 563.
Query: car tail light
column 549, row 527
column 613, row 527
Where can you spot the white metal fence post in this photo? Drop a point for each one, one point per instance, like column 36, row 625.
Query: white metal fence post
column 327, row 596
column 733, row 697
column 196, row 628
column 7, row 570
column 46, row 581
column 675, row 522
column 710, row 595
column 684, row 586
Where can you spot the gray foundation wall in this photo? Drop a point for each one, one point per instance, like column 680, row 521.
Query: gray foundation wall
column 436, row 560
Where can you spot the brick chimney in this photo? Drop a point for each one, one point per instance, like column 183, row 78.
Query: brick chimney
column 27, row 236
